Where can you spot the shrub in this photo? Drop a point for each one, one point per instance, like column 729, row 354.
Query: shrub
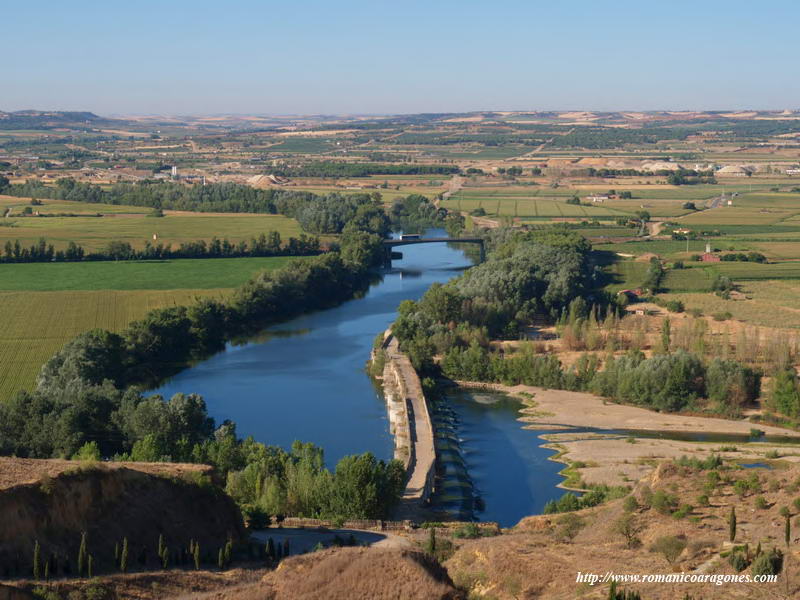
column 663, row 502
column 630, row 504
column 675, row 306
column 468, row 531
column 669, row 546
column 722, row 316
column 761, row 503
column 767, row 563
column 568, row 526
column 738, row 561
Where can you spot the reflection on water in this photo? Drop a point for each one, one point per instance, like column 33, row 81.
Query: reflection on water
column 489, row 467
column 304, row 379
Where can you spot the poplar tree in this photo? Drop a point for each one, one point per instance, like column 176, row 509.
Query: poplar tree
column 196, row 555
column 221, row 559
column 82, row 556
column 90, row 565
column 732, row 524
column 161, row 545
column 37, row 561
column 123, row 558
column 666, row 334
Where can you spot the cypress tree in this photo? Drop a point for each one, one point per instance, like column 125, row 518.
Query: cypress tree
column 732, row 524
column 37, row 561
column 228, row 552
column 221, row 559
column 666, row 334
column 196, row 554
column 161, row 544
column 47, row 570
column 90, row 565
column 116, row 554
column 82, row 556
column 787, row 530
column 165, row 557
column 123, row 558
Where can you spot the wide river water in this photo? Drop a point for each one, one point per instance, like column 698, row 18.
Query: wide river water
column 305, row 380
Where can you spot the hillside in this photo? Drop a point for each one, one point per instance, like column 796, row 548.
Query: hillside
column 54, row 501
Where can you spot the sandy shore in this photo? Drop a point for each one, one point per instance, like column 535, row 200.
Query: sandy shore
column 624, row 460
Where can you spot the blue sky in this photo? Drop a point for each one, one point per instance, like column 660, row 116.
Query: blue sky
column 308, row 56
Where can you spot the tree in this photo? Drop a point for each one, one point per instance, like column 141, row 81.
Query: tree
column 732, row 524
column 430, row 546
column 665, row 336
column 629, row 527
column 90, row 566
column 221, row 559
column 568, row 526
column 196, row 556
column 82, row 553
column 669, row 546
column 37, row 561
column 123, row 559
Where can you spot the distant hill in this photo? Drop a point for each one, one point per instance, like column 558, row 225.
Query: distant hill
column 53, row 119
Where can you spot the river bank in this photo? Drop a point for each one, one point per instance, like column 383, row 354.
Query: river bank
column 615, row 444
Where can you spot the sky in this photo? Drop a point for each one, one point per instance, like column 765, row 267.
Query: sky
column 404, row 56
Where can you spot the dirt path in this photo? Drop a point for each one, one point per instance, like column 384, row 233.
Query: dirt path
column 454, row 186
column 423, row 453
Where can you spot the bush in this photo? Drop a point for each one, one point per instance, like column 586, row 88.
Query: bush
column 675, row 306
column 568, row 526
column 630, row 504
column 722, row 316
column 738, row 561
column 469, row 531
column 669, row 546
column 761, row 503
column 767, row 563
column 663, row 502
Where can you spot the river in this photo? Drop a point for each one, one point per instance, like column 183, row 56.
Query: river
column 305, row 380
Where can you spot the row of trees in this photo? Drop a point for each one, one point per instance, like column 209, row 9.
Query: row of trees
column 316, row 214
column 80, row 387
column 347, row 169
column 266, row 244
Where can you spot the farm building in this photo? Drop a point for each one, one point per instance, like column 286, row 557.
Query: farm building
column 709, row 257
column 597, row 198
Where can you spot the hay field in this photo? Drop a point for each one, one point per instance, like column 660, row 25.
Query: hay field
column 770, row 303
column 37, row 324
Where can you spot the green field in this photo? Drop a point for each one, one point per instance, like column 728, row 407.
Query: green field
column 37, row 324
column 202, row 273
column 64, row 206
column 44, row 305
column 94, row 233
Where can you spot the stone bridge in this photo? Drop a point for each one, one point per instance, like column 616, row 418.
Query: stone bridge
column 389, row 245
